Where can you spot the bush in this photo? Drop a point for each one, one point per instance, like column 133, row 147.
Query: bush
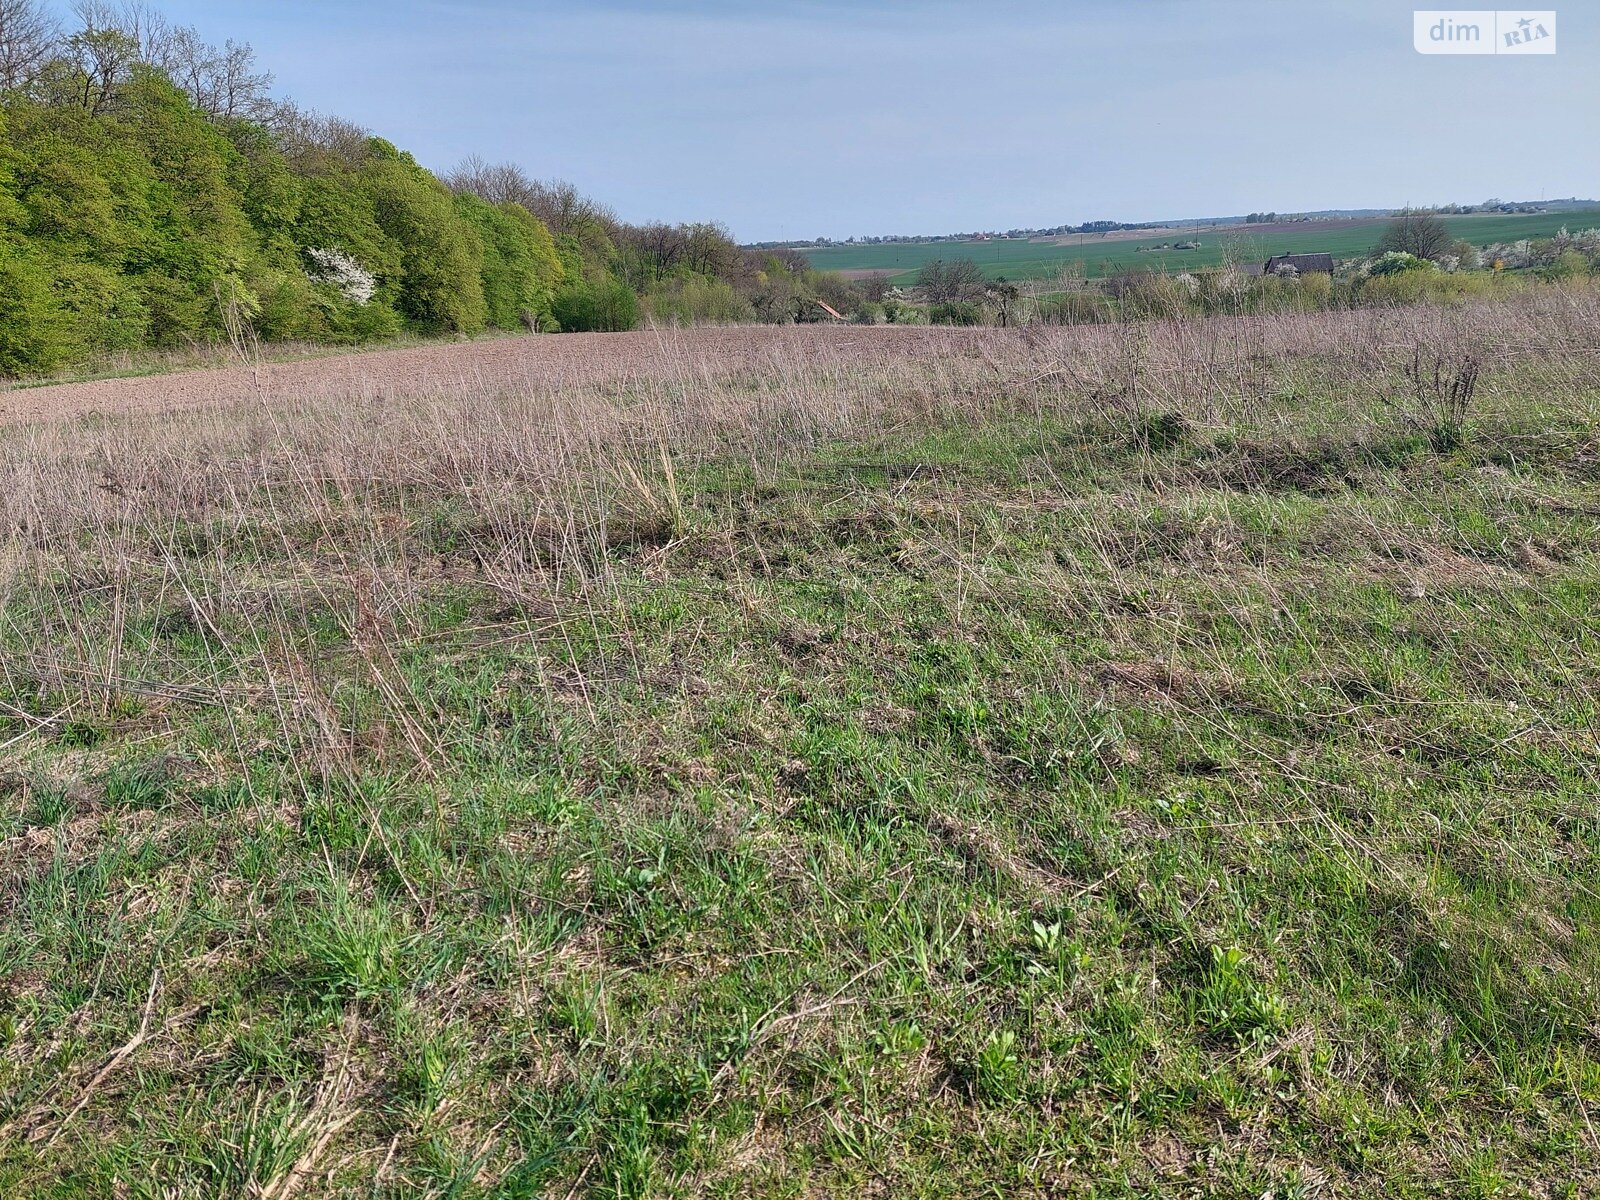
column 1408, row 287
column 697, row 300
column 1316, row 291
column 288, row 307
column 1396, row 262
column 607, row 306
column 1569, row 264
column 1142, row 294
column 955, row 312
column 1073, row 308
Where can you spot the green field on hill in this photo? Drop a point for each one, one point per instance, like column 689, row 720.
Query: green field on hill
column 1099, row 256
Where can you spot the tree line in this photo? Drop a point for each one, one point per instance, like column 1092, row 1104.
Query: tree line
column 155, row 193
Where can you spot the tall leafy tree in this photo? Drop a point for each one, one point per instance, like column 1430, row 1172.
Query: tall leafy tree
column 521, row 269
column 440, row 286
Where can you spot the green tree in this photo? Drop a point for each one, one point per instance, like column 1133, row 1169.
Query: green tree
column 269, row 189
column 33, row 336
column 440, row 286
column 521, row 269
column 200, row 239
column 30, row 335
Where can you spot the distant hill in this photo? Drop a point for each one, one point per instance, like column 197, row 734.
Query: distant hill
column 1172, row 247
column 1566, row 204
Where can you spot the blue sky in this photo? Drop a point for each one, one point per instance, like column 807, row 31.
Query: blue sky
column 807, row 118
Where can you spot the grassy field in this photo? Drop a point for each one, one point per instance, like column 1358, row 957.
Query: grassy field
column 1097, row 763
column 1095, row 257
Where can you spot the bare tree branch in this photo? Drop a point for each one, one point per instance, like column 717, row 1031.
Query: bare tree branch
column 29, row 36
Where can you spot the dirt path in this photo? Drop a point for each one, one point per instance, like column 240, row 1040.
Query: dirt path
column 493, row 366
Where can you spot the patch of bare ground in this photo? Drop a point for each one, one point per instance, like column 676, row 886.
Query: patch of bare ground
column 501, row 365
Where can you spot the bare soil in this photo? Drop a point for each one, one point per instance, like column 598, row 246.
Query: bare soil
column 499, row 365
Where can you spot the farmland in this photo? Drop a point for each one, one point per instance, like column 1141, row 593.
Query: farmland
column 1095, row 256
column 1101, row 762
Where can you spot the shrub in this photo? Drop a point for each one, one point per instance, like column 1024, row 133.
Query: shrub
column 1442, row 383
column 1569, row 264
column 1222, row 291
column 1407, row 287
column 697, row 300
column 352, row 281
column 1151, row 294
column 1073, row 308
column 1394, row 262
column 1316, row 291
column 955, row 312
column 606, row 306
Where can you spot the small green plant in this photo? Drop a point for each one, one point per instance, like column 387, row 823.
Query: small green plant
column 627, row 1164
column 1053, row 955
column 49, row 805
column 428, row 1071
column 900, row 1038
column 1230, row 1002
column 1163, row 431
column 1047, row 939
column 258, row 1145
column 997, row 1071
column 579, row 1009
column 83, row 733
column 140, row 783
column 352, row 950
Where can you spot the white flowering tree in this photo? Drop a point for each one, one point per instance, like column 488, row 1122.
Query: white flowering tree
column 355, row 282
column 1516, row 254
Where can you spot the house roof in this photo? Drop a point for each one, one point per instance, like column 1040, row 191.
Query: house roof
column 1300, row 262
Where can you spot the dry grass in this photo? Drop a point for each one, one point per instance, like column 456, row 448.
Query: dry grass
column 798, row 762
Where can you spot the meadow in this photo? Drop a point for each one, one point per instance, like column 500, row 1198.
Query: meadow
column 1094, row 257
column 1083, row 762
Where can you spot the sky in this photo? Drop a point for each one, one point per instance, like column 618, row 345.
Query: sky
column 811, row 118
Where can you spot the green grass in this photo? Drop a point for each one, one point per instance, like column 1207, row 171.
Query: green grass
column 1017, row 804
column 1096, row 257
